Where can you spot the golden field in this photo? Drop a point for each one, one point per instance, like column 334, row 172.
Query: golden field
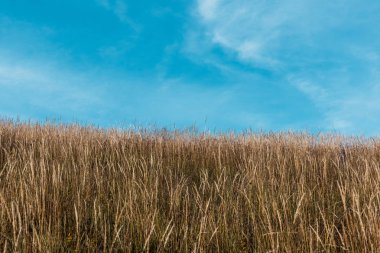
column 66, row 188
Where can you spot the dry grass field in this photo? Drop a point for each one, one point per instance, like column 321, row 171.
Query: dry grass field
column 78, row 189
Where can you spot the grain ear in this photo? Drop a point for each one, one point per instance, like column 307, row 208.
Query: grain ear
column 66, row 188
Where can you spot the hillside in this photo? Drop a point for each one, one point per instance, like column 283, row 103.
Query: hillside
column 78, row 189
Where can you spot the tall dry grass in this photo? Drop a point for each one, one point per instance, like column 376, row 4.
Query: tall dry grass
column 75, row 189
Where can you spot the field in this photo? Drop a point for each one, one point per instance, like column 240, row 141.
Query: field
column 81, row 189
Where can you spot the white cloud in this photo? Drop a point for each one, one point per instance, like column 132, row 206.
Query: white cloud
column 35, row 78
column 348, row 109
column 11, row 72
column 327, row 50
column 59, row 91
column 314, row 91
column 265, row 32
column 120, row 9
column 207, row 8
column 250, row 28
column 104, row 3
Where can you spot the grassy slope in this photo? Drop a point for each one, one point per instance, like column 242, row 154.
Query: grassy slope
column 68, row 188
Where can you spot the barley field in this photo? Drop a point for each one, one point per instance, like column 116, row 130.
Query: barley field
column 66, row 188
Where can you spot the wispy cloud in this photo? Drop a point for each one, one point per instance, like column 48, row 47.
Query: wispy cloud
column 346, row 107
column 262, row 64
column 120, row 9
column 327, row 50
column 35, row 83
column 36, row 88
column 207, row 8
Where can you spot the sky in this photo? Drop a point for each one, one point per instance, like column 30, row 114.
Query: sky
column 262, row 65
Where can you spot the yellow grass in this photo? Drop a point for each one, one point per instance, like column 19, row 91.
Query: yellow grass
column 74, row 189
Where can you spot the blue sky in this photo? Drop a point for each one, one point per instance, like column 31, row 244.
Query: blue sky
column 221, row 65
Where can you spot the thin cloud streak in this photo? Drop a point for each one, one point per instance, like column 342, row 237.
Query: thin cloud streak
column 273, row 65
column 299, row 42
column 120, row 9
column 36, row 87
